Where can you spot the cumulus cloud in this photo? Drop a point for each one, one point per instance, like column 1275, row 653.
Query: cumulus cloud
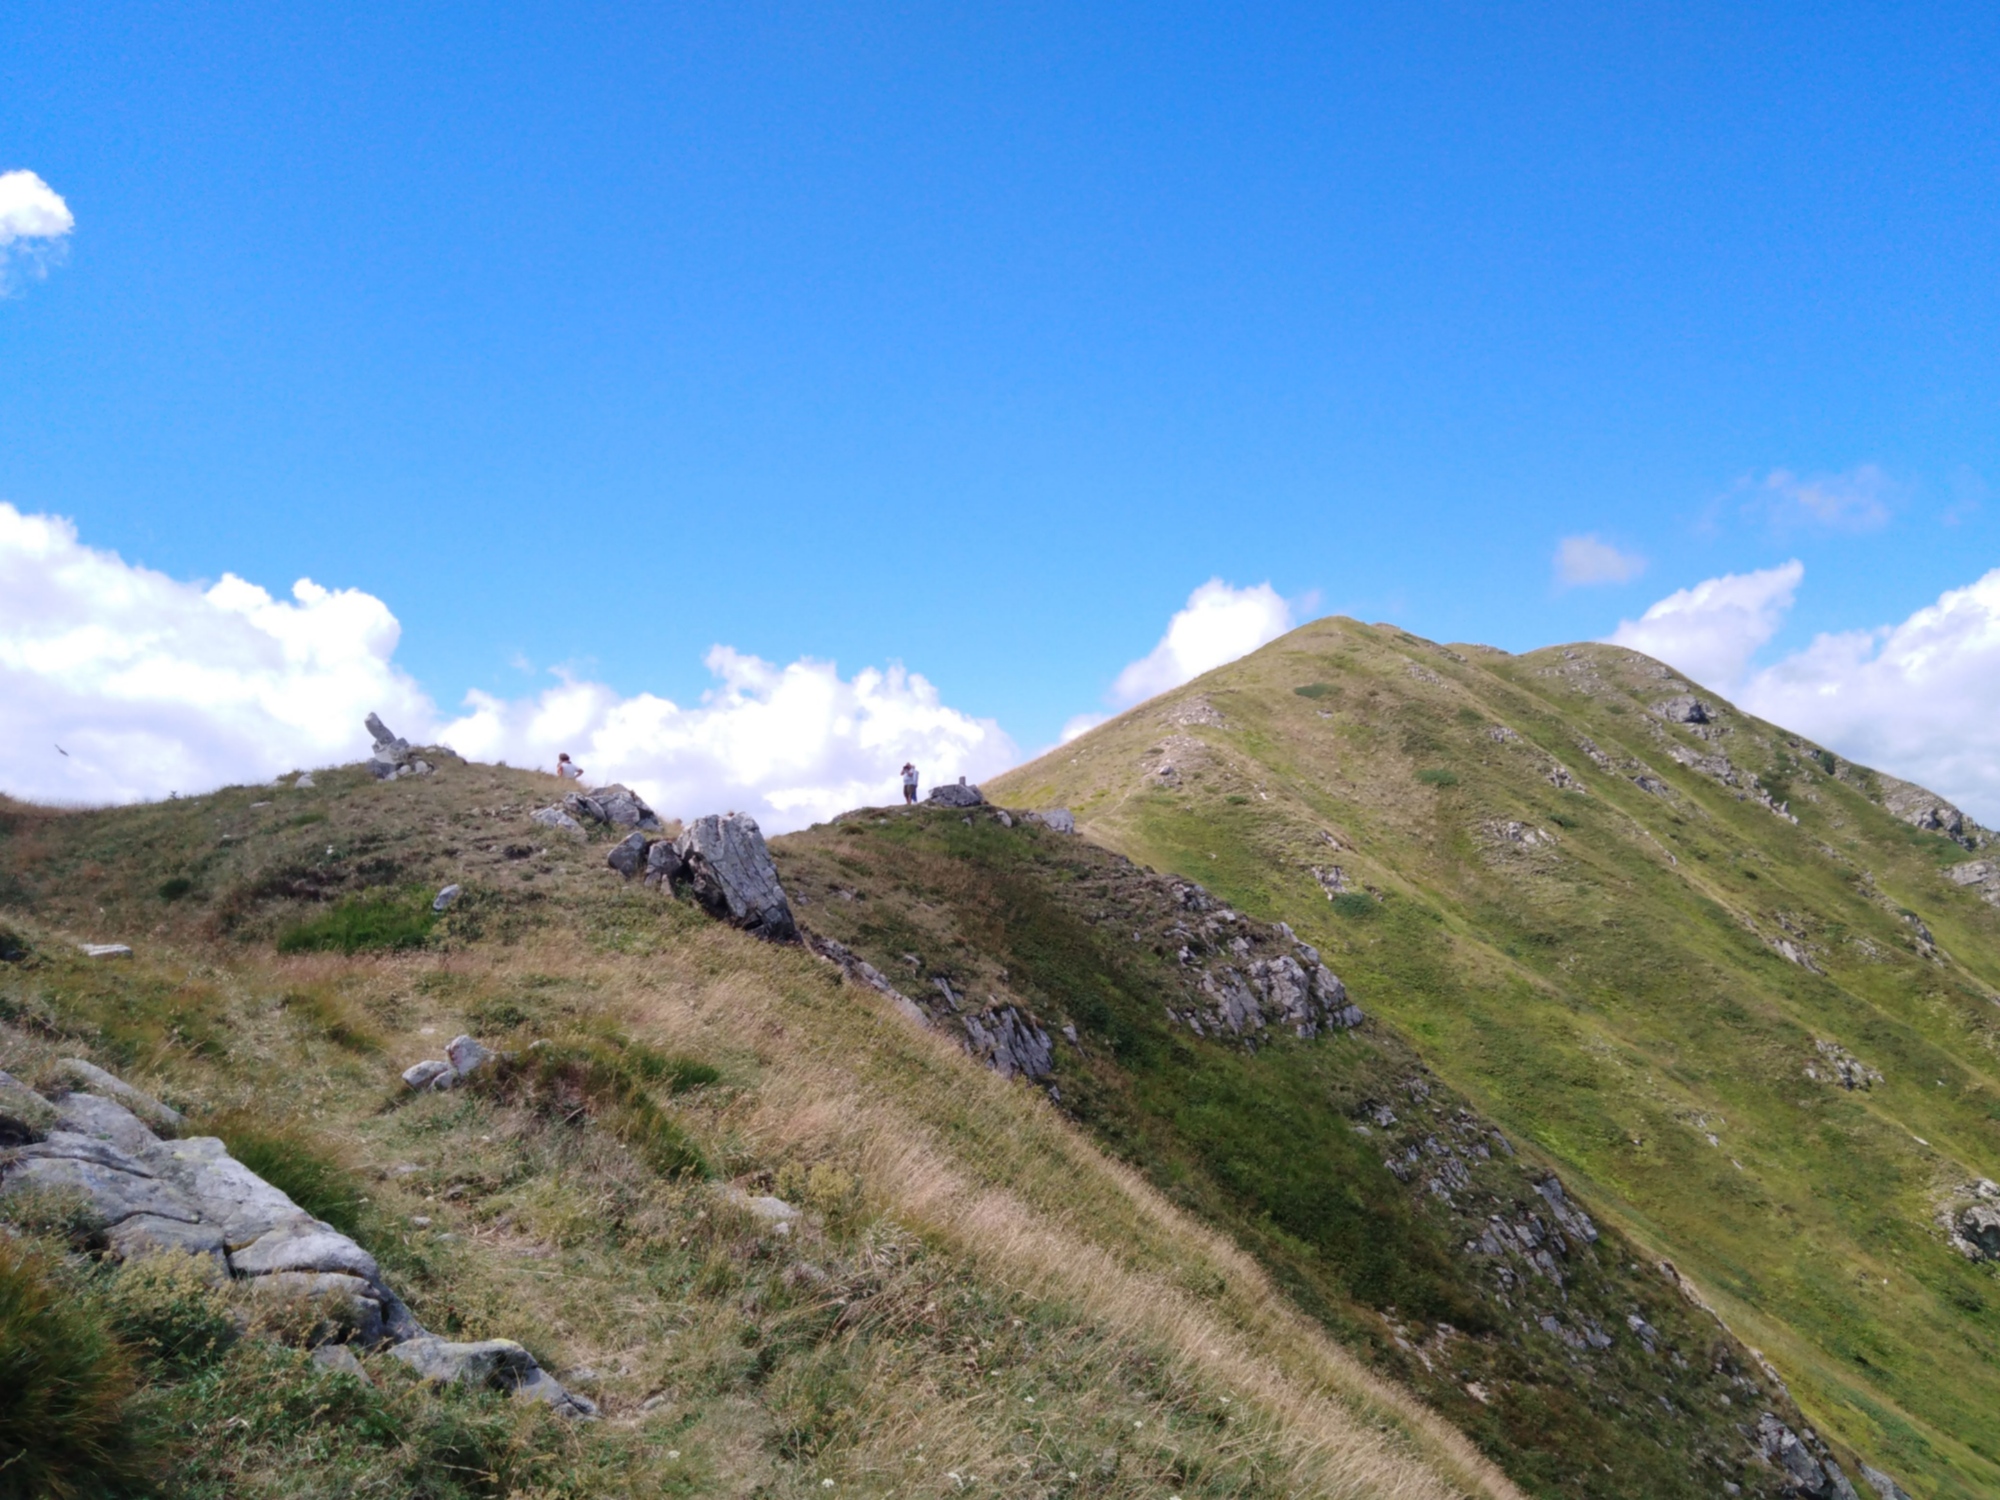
column 1218, row 624
column 1914, row 699
column 34, row 224
column 1584, row 560
column 791, row 745
column 1711, row 631
column 150, row 685
column 122, row 684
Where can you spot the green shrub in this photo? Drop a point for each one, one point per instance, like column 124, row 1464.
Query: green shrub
column 65, row 1381
column 361, row 923
column 1355, row 904
column 166, row 1309
column 1236, row 799
column 175, row 887
column 1316, row 690
column 1437, row 776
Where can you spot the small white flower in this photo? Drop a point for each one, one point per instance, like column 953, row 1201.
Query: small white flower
column 673, row 1453
column 1029, row 1399
column 1137, row 1423
column 827, row 1484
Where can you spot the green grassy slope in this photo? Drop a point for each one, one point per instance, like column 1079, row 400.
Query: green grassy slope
column 978, row 1301
column 1655, row 986
column 1289, row 1145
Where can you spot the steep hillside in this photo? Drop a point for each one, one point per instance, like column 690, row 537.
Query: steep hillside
column 974, row 1300
column 1740, row 993
column 1221, row 1056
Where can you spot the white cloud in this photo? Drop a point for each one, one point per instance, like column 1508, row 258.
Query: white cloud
column 151, row 685
column 791, row 745
column 34, row 223
column 1862, row 499
column 1913, row 699
column 1711, row 631
column 1584, row 560
column 1218, row 624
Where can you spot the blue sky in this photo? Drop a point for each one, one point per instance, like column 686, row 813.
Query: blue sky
column 976, row 338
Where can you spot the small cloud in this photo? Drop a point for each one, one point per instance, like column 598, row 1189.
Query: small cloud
column 1862, row 499
column 34, row 224
column 1710, row 632
column 1079, row 725
column 1585, row 560
column 1218, row 624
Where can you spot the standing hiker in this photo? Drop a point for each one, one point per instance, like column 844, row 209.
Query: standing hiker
column 909, row 782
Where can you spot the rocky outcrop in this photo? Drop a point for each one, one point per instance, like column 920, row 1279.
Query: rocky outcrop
column 615, row 805
column 1685, row 708
column 1979, row 1226
column 1837, row 1065
column 628, row 857
column 1922, row 808
column 957, row 794
column 392, row 756
column 1305, row 998
column 731, row 873
column 1056, row 819
column 190, row 1196
column 1010, row 1043
column 1813, row 1476
column 1981, row 875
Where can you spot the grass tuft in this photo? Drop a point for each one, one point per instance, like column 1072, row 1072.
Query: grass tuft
column 375, row 922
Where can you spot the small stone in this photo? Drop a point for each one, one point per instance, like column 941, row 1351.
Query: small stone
column 341, row 1361
column 446, row 898
column 467, row 1056
column 556, row 818
column 304, row 783
column 425, row 1074
column 105, row 950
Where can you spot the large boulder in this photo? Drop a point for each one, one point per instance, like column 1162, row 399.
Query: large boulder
column 733, row 877
column 956, row 794
column 1980, row 1225
column 663, row 865
column 629, row 857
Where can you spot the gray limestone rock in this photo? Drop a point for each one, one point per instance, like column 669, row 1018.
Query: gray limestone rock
column 341, row 1361
column 1057, row 819
column 1980, row 1225
column 957, row 794
column 148, row 1234
column 556, row 818
column 89, row 1076
column 1882, row 1484
column 467, row 1056
column 623, row 808
column 1784, row 1451
column 105, row 1120
column 106, row 950
column 1010, row 1043
column 496, row 1364
column 628, row 857
column 1982, row 875
column 424, row 1074
column 663, row 865
column 391, row 755
column 1686, row 709
column 304, row 783
column 305, row 1245
column 117, row 1185
column 733, row 875
column 228, row 1194
column 447, row 898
